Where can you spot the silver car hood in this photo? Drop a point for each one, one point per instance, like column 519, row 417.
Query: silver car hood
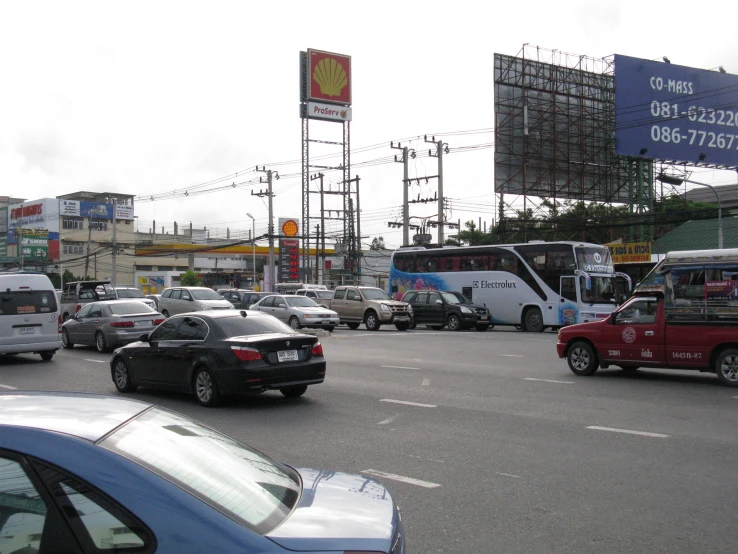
column 337, row 512
column 216, row 303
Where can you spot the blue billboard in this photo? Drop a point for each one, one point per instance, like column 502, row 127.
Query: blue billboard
column 96, row 210
column 675, row 113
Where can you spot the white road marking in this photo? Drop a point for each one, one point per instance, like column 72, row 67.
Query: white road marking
column 408, row 403
column 398, row 367
column 8, row 387
column 96, row 361
column 508, row 475
column 549, row 381
column 409, row 480
column 511, row 355
column 629, row 432
column 426, row 459
column 389, row 420
column 425, row 383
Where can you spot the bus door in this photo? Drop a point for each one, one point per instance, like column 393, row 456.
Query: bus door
column 568, row 312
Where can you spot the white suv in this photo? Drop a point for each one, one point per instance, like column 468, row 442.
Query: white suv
column 179, row 300
column 132, row 293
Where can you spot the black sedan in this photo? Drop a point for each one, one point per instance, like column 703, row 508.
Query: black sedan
column 220, row 353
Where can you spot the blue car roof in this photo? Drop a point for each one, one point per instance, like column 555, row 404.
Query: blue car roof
column 87, row 416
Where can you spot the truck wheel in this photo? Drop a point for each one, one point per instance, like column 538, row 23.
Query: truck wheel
column 353, row 326
column 533, row 320
column 372, row 321
column 727, row 367
column 582, row 358
column 402, row 326
column 454, row 323
column 481, row 328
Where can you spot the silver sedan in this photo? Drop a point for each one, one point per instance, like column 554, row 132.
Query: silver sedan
column 298, row 311
column 109, row 323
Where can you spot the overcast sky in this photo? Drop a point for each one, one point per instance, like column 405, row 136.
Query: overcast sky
column 152, row 97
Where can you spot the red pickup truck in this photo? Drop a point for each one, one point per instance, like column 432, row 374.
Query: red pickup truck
column 648, row 332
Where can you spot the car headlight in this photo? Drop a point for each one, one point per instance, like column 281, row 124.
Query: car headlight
column 410, row 308
column 205, row 307
column 384, row 307
column 465, row 310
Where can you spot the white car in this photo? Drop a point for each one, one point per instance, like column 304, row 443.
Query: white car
column 179, row 300
column 298, row 311
column 132, row 293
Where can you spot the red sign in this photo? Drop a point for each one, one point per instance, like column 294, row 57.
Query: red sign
column 26, row 211
column 330, row 77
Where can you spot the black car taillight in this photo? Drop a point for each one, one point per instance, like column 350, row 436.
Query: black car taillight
column 246, row 354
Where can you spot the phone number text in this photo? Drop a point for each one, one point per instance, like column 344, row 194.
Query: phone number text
column 710, row 139
column 696, row 114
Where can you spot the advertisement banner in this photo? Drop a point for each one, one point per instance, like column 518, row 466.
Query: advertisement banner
column 123, row 212
column 3, row 220
column 288, row 226
column 328, row 112
column 35, row 247
column 34, row 214
column 69, row 207
column 3, row 246
column 96, row 210
column 721, row 290
column 330, row 77
column 289, row 261
column 630, row 252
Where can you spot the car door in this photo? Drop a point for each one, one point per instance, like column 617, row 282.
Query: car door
column 633, row 335
column 177, row 356
column 279, row 309
column 147, row 360
column 354, row 305
column 420, row 307
column 186, row 302
column 92, row 324
column 76, row 325
column 436, row 309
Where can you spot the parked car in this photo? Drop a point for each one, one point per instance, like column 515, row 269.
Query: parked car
column 371, row 306
column 109, row 323
column 216, row 353
column 438, row 309
column 298, row 311
column 76, row 294
column 91, row 473
column 155, row 298
column 179, row 300
column 240, row 298
column 133, row 293
column 322, row 297
column 30, row 320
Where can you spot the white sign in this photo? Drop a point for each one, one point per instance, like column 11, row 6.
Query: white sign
column 316, row 110
column 69, row 207
column 123, row 212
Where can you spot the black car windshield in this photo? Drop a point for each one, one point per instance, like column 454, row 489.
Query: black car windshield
column 205, row 294
column 300, row 301
column 129, row 293
column 375, row 294
column 454, row 298
column 203, row 462
column 238, row 326
column 127, row 308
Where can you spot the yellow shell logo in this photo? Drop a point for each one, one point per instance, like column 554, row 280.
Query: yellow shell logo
column 331, row 76
column 343, row 114
column 289, row 228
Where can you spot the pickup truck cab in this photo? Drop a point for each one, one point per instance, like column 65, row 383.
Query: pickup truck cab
column 371, row 306
column 646, row 332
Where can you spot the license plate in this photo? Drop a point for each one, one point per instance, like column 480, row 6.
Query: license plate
column 484, row 317
column 141, row 323
column 401, row 318
column 287, row 355
column 27, row 330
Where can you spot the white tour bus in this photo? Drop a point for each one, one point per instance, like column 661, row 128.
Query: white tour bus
column 533, row 286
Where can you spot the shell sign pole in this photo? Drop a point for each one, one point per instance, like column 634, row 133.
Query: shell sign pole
column 329, row 77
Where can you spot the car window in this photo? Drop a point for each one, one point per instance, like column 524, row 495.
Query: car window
column 167, row 293
column 205, row 294
column 22, row 510
column 86, row 295
column 340, row 294
column 326, row 294
column 639, row 312
column 192, row 328
column 84, row 312
column 432, row 297
column 268, row 302
column 301, row 301
column 186, row 295
column 353, row 295
column 422, row 298
column 279, row 302
column 96, row 310
column 27, row 302
column 129, row 293
column 176, row 294
column 125, row 308
column 410, row 297
column 454, row 298
column 375, row 294
column 165, row 331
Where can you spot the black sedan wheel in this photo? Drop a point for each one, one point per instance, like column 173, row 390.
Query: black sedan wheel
column 582, row 358
column 66, row 342
column 205, row 388
column 122, row 377
column 294, row 392
column 100, row 343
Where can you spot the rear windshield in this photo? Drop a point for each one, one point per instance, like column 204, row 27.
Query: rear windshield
column 205, row 294
column 252, row 325
column 126, row 308
column 27, row 302
column 104, row 291
column 129, row 293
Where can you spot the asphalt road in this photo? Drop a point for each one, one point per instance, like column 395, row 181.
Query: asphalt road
column 487, row 440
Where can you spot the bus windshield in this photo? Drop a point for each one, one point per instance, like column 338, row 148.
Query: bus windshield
column 601, row 290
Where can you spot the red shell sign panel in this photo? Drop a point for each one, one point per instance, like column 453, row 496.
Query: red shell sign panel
column 330, row 77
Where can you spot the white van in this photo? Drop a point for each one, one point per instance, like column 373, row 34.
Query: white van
column 29, row 315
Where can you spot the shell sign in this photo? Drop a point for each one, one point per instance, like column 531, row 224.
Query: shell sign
column 289, row 227
column 330, row 77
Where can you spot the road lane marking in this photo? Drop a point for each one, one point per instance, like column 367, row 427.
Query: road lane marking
column 408, row 403
column 425, row 383
column 511, row 355
column 8, row 387
column 402, row 479
column 96, row 361
column 548, row 381
column 389, row 420
column 628, row 432
column 398, row 367
column 508, row 475
column 421, row 458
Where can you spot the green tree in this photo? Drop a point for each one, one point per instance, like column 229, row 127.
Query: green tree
column 377, row 243
column 190, row 279
column 472, row 236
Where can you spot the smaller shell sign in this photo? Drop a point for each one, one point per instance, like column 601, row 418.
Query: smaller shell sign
column 289, row 227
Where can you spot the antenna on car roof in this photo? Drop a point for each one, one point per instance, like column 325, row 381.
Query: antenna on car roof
column 243, row 313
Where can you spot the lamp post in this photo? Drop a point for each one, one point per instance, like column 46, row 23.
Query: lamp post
column 253, row 246
column 672, row 180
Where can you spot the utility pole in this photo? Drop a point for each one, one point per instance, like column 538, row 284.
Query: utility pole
column 270, row 175
column 406, row 154
column 441, row 147
column 89, row 239
column 115, row 243
column 320, row 268
column 20, row 239
column 317, row 253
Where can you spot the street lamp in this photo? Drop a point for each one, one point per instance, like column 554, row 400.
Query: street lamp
column 253, row 246
column 672, row 180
